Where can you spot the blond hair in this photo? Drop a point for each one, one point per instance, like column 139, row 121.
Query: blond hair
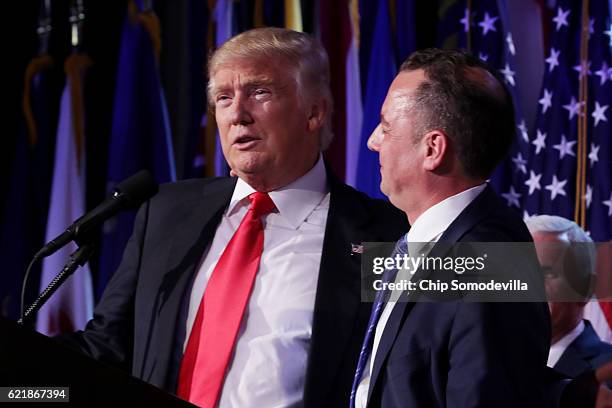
column 301, row 51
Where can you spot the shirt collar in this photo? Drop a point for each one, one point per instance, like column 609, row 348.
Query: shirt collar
column 557, row 349
column 436, row 219
column 566, row 340
column 295, row 201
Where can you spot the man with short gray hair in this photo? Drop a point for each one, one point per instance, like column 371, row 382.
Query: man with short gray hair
column 567, row 256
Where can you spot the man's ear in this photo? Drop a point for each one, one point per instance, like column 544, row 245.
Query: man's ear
column 437, row 147
column 317, row 113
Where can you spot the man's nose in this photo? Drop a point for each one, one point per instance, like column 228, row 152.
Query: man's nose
column 240, row 113
column 375, row 139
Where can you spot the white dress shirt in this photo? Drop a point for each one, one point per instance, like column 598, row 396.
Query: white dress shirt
column 557, row 349
column 269, row 363
column 428, row 227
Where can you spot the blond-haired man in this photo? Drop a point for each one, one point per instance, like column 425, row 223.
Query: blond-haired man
column 245, row 291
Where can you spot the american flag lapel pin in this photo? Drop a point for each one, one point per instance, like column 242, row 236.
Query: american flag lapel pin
column 356, row 249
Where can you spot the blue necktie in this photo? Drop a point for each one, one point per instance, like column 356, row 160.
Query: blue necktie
column 401, row 247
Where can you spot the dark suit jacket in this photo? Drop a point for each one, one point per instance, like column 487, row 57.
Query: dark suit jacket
column 140, row 321
column 587, row 352
column 467, row 354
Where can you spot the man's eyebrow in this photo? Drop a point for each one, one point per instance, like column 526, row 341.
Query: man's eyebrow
column 247, row 83
column 259, row 82
column 383, row 121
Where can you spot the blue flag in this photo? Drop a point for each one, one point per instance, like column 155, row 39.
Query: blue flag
column 140, row 137
column 25, row 214
column 193, row 149
column 382, row 68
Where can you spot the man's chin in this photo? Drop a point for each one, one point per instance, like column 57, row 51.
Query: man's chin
column 248, row 164
column 255, row 176
column 250, row 170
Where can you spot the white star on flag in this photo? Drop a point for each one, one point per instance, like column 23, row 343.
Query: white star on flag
column 483, row 56
column 603, row 73
column 523, row 128
column 565, row 147
column 508, row 74
column 526, row 215
column 512, row 197
column 488, row 24
column 534, row 182
column 540, row 141
column 561, row 18
column 583, row 69
column 599, row 113
column 588, row 197
column 608, row 203
column 609, row 34
column 466, row 21
column 594, row 154
column 520, row 163
column 553, row 59
column 556, row 187
column 510, row 43
column 546, row 100
column 573, row 108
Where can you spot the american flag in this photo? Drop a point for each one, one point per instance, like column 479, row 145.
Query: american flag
column 554, row 168
column 555, row 177
column 483, row 27
column 570, row 172
column 540, row 175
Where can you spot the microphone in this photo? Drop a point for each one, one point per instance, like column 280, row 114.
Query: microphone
column 127, row 195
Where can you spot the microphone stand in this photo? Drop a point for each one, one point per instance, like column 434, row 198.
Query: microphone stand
column 78, row 258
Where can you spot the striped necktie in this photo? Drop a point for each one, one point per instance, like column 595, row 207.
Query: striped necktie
column 401, row 248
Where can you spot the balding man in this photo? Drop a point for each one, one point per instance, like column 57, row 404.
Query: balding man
column 446, row 122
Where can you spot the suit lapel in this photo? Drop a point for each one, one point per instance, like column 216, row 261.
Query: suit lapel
column 571, row 363
column 579, row 355
column 469, row 217
column 190, row 237
column 394, row 323
column 338, row 295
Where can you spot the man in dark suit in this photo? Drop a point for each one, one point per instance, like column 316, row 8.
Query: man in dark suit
column 567, row 255
column 586, row 352
column 232, row 302
column 446, row 122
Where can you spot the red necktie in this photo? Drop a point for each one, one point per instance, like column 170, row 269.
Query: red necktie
column 217, row 322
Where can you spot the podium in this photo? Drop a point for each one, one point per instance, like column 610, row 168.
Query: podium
column 30, row 359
